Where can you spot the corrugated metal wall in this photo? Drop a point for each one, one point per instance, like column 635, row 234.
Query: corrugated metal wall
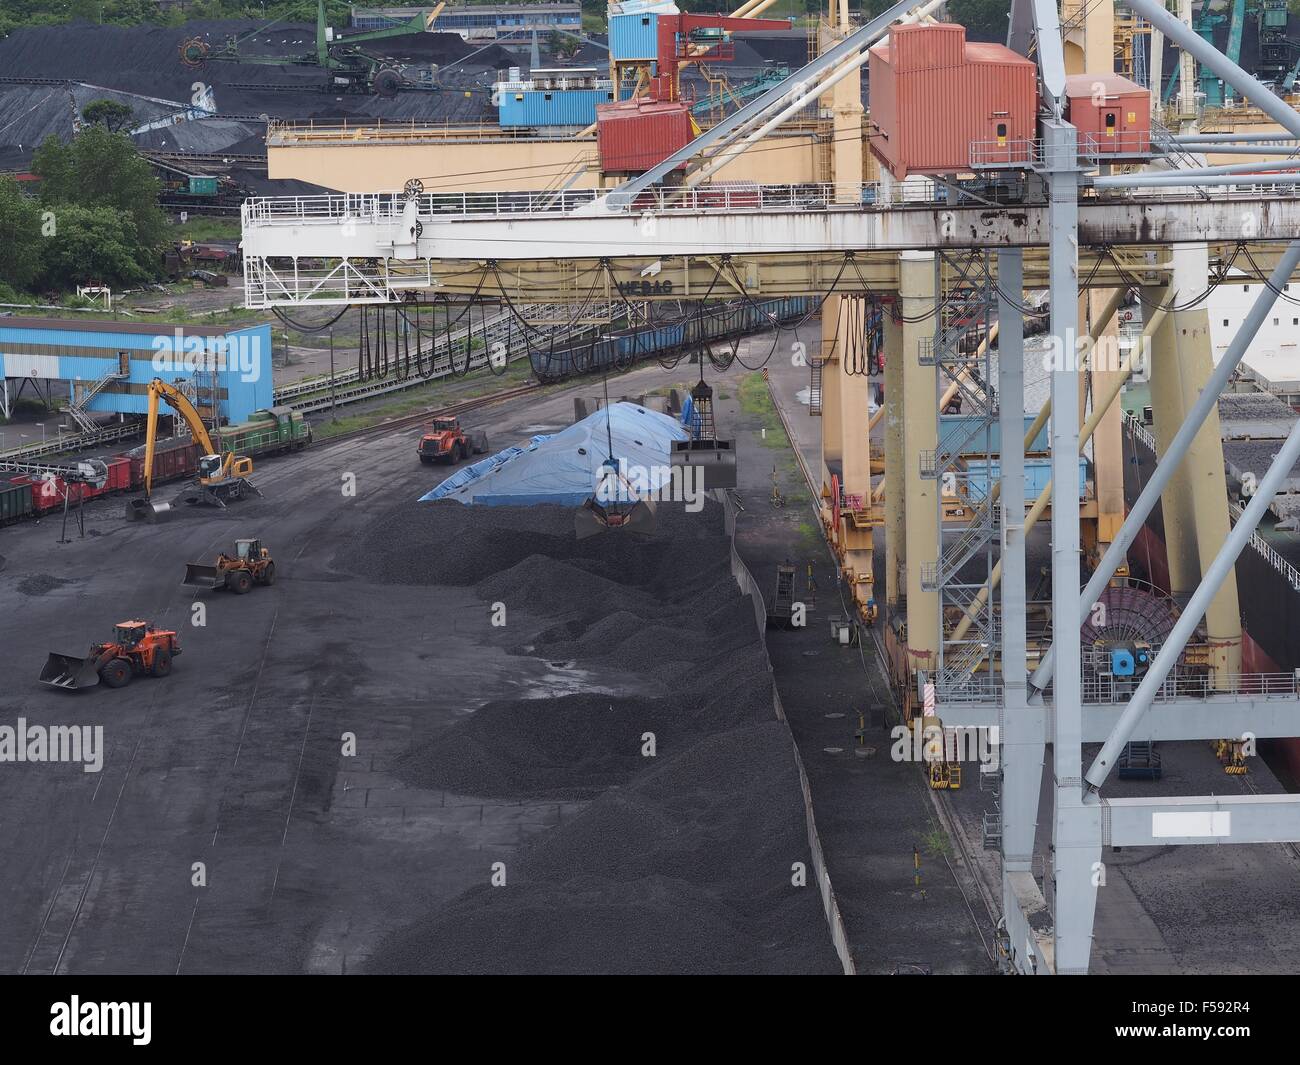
column 568, row 107
column 633, row 36
column 73, row 355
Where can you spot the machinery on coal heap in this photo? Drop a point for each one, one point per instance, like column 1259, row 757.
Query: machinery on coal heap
column 136, row 648
column 221, row 477
column 250, row 564
column 347, row 66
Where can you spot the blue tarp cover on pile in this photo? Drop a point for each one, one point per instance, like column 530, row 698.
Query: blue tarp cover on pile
column 564, row 468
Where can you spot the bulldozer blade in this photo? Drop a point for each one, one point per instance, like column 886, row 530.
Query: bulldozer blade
column 198, row 575
column 69, row 672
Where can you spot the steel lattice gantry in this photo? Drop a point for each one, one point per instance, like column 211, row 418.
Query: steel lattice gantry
column 648, row 242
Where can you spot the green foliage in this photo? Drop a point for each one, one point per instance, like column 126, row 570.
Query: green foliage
column 20, row 236
column 108, row 113
column 103, row 169
column 96, row 244
column 984, row 19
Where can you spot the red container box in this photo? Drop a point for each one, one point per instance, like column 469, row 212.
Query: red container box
column 635, row 135
column 1111, row 113
column 938, row 100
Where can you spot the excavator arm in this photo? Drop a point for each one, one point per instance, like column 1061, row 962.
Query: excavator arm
column 160, row 389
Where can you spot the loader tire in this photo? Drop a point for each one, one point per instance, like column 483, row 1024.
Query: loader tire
column 162, row 663
column 426, row 460
column 116, row 673
column 240, row 582
column 268, row 574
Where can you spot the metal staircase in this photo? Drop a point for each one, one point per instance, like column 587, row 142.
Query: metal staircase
column 76, row 407
column 963, row 467
column 815, row 387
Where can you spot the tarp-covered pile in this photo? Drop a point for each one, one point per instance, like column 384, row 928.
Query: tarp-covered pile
column 565, row 468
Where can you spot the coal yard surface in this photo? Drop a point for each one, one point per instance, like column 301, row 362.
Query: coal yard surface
column 445, row 740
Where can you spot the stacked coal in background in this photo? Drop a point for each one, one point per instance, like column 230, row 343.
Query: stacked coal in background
column 682, row 862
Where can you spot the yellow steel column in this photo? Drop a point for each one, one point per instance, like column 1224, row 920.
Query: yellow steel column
column 895, row 492
column 1168, row 413
column 920, row 435
column 1107, row 441
column 1204, row 462
column 859, row 518
column 832, row 421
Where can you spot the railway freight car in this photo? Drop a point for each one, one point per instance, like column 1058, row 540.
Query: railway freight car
column 15, row 500
column 618, row 351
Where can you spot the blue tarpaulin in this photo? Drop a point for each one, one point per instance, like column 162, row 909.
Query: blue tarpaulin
column 565, row 468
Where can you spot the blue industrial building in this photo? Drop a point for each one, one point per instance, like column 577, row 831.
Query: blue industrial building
column 98, row 366
column 563, row 96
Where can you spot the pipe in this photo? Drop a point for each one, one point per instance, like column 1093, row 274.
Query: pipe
column 1200, row 49
column 1165, row 468
column 1219, row 148
column 1174, row 179
column 1188, row 620
column 1156, row 177
column 1191, row 138
column 1085, row 434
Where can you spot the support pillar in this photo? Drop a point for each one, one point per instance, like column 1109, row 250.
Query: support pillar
column 917, row 287
column 857, row 529
column 1168, row 414
column 1204, row 464
column 832, row 423
column 1021, row 750
column 895, row 464
column 1107, row 438
column 1076, row 824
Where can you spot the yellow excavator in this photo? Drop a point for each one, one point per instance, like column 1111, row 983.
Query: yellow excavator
column 221, row 477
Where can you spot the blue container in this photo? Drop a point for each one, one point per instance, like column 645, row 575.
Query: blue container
column 966, row 432
column 634, row 36
column 558, row 107
column 1038, row 474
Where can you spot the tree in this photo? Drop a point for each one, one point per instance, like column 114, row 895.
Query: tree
column 96, row 244
column 108, row 113
column 985, row 20
column 20, row 236
column 103, row 169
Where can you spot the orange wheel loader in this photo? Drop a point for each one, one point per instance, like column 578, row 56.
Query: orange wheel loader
column 136, row 647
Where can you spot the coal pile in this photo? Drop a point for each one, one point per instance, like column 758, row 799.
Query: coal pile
column 681, row 861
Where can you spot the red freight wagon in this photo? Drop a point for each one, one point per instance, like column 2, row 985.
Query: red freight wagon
column 937, row 100
column 47, row 492
column 1111, row 113
column 635, row 135
column 173, row 459
column 119, row 474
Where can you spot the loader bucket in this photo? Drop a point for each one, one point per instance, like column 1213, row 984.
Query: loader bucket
column 69, row 672
column 198, row 575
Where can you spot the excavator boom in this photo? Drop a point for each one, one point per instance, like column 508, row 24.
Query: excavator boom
column 176, row 399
